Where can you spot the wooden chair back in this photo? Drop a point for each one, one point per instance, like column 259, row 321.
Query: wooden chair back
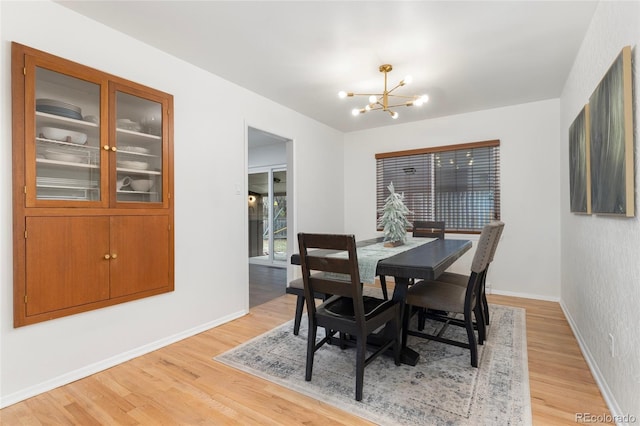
column 336, row 256
column 430, row 229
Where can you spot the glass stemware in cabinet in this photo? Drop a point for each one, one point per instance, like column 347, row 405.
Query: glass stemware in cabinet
column 139, row 154
column 67, row 137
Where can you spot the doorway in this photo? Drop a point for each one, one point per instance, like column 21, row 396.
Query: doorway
column 268, row 195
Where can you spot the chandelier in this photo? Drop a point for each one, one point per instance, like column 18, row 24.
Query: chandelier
column 386, row 100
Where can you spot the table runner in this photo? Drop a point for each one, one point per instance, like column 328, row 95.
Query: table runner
column 369, row 256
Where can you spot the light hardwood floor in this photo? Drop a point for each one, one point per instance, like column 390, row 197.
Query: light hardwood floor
column 181, row 384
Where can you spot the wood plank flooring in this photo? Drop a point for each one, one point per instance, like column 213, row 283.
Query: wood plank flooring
column 181, row 384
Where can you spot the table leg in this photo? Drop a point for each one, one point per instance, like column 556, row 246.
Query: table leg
column 407, row 355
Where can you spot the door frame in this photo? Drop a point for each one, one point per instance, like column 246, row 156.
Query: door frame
column 270, row 170
column 291, row 198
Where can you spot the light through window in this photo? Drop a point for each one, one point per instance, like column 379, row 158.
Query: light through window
column 457, row 184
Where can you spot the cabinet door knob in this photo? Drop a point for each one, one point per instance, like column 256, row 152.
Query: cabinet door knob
column 113, row 148
column 106, row 256
column 114, row 255
column 106, row 147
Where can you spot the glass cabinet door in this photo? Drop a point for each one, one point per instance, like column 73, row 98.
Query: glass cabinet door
column 139, row 154
column 66, row 134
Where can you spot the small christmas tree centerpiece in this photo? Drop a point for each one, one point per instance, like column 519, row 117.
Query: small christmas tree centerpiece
column 393, row 220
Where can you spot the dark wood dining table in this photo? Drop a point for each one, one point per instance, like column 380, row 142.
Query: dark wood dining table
column 426, row 262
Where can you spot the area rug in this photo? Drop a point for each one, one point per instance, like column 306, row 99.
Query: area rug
column 442, row 389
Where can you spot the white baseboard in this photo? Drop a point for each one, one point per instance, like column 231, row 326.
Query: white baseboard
column 523, row 295
column 110, row 362
column 490, row 290
column 616, row 413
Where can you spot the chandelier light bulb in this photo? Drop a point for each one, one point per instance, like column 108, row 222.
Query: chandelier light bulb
column 342, row 94
column 394, row 115
column 425, row 98
column 408, row 79
column 355, row 112
column 373, row 99
column 418, row 102
column 367, row 108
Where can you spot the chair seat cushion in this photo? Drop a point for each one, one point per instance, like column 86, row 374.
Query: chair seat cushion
column 437, row 295
column 299, row 282
column 343, row 306
column 453, row 278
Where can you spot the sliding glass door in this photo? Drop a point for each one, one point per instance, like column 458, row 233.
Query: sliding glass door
column 268, row 216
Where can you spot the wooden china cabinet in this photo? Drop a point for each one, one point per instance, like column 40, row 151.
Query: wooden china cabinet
column 92, row 188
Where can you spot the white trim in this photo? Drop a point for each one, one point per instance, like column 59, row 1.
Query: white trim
column 94, row 368
column 616, row 413
column 524, row 295
column 275, row 264
column 489, row 290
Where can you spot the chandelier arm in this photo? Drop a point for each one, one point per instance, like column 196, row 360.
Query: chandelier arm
column 366, row 94
column 395, row 87
column 376, row 108
column 405, row 97
column 399, row 105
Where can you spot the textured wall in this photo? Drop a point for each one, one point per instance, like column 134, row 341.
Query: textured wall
column 601, row 254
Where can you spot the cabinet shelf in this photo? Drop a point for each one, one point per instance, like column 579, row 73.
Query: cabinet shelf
column 88, row 188
column 139, row 172
column 137, row 154
column 138, row 192
column 133, row 135
column 66, row 144
column 66, row 163
column 44, row 119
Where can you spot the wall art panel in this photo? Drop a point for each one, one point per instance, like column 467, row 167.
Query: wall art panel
column 611, row 140
column 579, row 164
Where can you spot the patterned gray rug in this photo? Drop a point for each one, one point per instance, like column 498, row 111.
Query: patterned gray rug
column 443, row 389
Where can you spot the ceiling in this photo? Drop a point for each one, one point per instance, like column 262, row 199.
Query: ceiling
column 467, row 56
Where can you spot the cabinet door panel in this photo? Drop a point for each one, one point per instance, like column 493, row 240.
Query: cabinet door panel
column 63, row 150
column 65, row 262
column 142, row 139
column 141, row 246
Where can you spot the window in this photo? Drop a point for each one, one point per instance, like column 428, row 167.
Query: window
column 457, row 184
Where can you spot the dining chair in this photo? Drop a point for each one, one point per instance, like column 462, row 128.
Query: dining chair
column 461, row 279
column 347, row 312
column 296, row 287
column 421, row 228
column 453, row 299
column 432, row 229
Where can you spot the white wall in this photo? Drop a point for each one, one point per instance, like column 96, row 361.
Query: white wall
column 269, row 155
column 210, row 230
column 601, row 266
column 528, row 259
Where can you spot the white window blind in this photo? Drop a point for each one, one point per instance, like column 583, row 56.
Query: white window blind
column 457, row 184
